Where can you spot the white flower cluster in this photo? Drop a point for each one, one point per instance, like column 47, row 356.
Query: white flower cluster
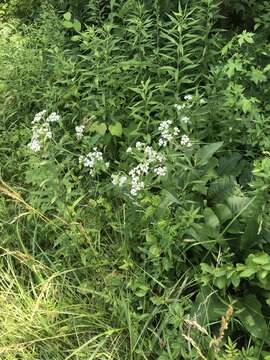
column 38, row 116
column 53, row 117
column 185, row 119
column 119, row 180
column 93, row 160
column 185, row 141
column 167, row 134
column 152, row 161
column 187, row 104
column 41, row 131
column 79, row 131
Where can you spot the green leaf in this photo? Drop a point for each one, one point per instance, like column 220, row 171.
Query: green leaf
column 67, row 16
column 246, row 105
column 245, row 37
column 211, row 218
column 257, row 76
column 223, row 212
column 157, row 300
column 221, row 282
column 206, row 152
column 261, row 259
column 68, row 24
column 251, row 317
column 237, row 203
column 248, row 272
column 77, row 25
column 116, row 129
column 99, row 128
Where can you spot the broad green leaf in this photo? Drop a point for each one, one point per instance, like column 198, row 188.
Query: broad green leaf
column 68, row 24
column 116, row 129
column 211, row 218
column 98, row 127
column 67, row 16
column 251, row 317
column 261, row 259
column 206, row 152
column 77, row 25
column 223, row 212
column 237, row 203
column 248, row 272
column 220, row 282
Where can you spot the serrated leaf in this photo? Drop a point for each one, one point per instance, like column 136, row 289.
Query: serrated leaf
column 206, row 152
column 257, row 76
column 116, row 129
column 246, row 105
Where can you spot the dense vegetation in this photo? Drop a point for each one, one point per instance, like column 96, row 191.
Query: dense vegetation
column 134, row 179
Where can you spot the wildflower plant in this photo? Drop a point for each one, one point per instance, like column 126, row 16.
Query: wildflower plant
column 139, row 217
column 41, row 130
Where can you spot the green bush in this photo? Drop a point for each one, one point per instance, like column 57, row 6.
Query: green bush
column 134, row 207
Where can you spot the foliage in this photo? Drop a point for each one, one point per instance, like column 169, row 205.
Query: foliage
column 135, row 206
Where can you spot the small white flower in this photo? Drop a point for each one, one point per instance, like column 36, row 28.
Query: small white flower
column 53, row 117
column 176, row 131
column 160, row 171
column 188, row 97
column 129, row 150
column 38, row 117
column 185, row 141
column 162, row 142
column 185, row 119
column 35, row 145
column 179, row 107
column 136, row 186
column 122, row 180
column 93, row 160
column 79, row 131
column 202, row 101
column 139, row 145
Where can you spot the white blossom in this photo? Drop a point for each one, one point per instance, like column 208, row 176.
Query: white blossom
column 139, row 145
column 38, row 116
column 188, row 97
column 53, row 117
column 119, row 180
column 202, row 101
column 179, row 107
column 35, row 145
column 92, row 160
column 185, row 141
column 136, row 185
column 176, row 131
column 185, row 119
column 129, row 150
column 79, row 131
column 160, row 171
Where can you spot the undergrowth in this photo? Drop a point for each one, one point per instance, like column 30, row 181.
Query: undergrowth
column 134, row 180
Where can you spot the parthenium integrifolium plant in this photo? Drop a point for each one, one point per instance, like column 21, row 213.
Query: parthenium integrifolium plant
column 148, row 161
